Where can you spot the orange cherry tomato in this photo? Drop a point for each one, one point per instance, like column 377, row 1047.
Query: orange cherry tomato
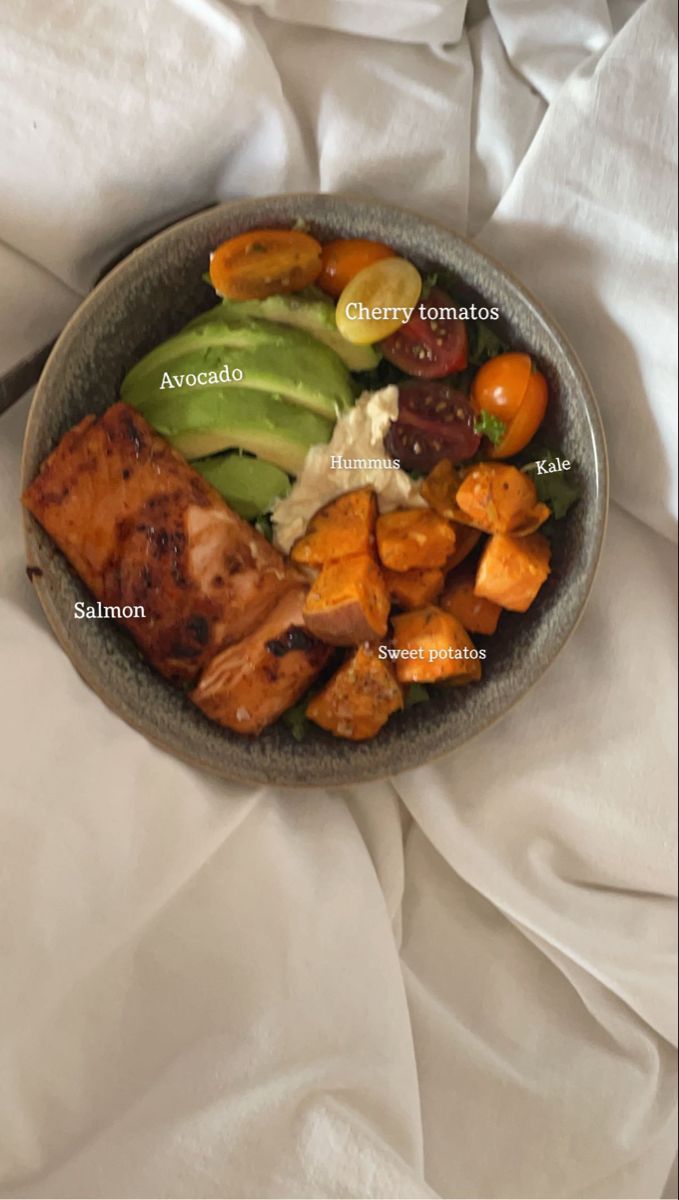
column 500, row 385
column 527, row 421
column 263, row 262
column 344, row 258
column 511, row 388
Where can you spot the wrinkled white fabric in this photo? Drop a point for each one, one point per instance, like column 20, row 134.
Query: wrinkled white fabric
column 599, row 219
column 428, row 22
column 458, row 983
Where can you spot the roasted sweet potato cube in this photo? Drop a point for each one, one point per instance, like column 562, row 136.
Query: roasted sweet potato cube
column 475, row 613
column 470, row 673
column 512, row 570
column 466, row 538
column 433, row 646
column 499, row 498
column 348, row 603
column 440, row 488
column 342, row 527
column 414, row 589
column 414, row 537
column 359, row 699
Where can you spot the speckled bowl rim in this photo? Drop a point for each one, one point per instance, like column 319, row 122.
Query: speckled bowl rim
column 482, row 722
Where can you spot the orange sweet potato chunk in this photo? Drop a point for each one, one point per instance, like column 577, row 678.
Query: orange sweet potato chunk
column 342, row 527
column 348, row 603
column 440, row 488
column 414, row 589
column 413, row 538
column 498, row 498
column 475, row 613
column 466, row 538
column 433, row 646
column 512, row 570
column 359, row 699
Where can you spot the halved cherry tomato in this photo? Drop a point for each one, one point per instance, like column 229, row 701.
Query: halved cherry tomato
column 378, row 300
column 510, row 387
column 527, row 421
column 434, row 422
column 344, row 258
column 429, row 345
column 263, row 262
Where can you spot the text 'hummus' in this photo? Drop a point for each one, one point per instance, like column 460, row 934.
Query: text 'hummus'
column 358, row 434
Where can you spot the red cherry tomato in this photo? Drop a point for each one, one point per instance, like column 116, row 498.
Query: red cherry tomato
column 431, row 344
column 434, row 422
column 510, row 387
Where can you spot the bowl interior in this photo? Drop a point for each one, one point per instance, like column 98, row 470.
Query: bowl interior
column 148, row 297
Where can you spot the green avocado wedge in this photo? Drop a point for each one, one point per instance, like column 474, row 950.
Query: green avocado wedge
column 249, row 485
column 201, row 423
column 309, row 310
column 272, row 358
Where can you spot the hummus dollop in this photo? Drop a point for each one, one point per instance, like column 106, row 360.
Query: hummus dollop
column 358, row 434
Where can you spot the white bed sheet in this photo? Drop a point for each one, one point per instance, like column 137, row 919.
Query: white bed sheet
column 459, row 983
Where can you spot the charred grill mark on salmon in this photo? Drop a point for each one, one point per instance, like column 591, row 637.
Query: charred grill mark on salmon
column 141, row 527
column 249, row 685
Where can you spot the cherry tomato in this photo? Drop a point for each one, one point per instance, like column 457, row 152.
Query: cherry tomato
column 429, row 346
column 435, row 422
column 527, row 421
column 510, row 387
column 263, row 262
column 378, row 300
column 344, row 258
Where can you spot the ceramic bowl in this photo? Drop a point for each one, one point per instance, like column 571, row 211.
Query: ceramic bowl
column 148, row 297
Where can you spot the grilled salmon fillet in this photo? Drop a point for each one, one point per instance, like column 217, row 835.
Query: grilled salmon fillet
column 249, row 685
column 142, row 528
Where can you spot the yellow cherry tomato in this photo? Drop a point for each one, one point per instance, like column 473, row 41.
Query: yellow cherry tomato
column 378, row 300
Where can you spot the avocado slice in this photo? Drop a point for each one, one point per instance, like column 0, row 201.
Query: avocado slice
column 208, row 421
column 249, row 485
column 274, row 359
column 309, row 310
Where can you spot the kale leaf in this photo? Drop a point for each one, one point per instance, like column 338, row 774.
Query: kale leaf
column 263, row 525
column 491, row 427
column 296, row 719
column 484, row 343
column 556, row 488
column 381, row 376
column 416, row 693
